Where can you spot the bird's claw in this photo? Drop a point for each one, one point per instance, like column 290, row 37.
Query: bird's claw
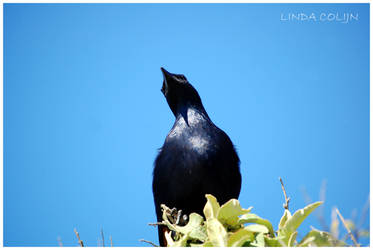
column 184, row 219
column 177, row 217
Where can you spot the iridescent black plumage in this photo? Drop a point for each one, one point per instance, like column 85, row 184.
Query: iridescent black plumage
column 197, row 157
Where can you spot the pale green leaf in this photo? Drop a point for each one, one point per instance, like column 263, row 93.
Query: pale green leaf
column 292, row 239
column 194, row 228
column 170, row 241
column 321, row 239
column 229, row 212
column 241, row 236
column 217, row 234
column 284, row 219
column 257, row 228
column 182, row 242
column 298, row 217
column 211, row 208
column 274, row 242
column 307, row 242
column 253, row 218
column 206, row 244
column 259, row 240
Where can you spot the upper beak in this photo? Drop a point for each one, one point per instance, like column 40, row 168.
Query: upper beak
column 166, row 76
column 165, row 73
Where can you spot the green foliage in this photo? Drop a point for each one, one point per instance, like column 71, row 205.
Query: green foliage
column 231, row 225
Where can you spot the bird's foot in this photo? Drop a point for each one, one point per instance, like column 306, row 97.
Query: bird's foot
column 181, row 219
column 177, row 217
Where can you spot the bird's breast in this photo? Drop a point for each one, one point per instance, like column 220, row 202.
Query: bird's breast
column 194, row 140
column 193, row 134
column 198, row 143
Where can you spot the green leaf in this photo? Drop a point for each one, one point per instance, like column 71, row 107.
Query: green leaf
column 320, row 239
column 206, row 244
column 292, row 239
column 298, row 217
column 238, row 238
column 169, row 239
column 307, row 242
column 182, row 242
column 247, row 244
column 285, row 217
column 259, row 240
column 194, row 230
column 253, row 218
column 274, row 242
column 229, row 212
column 257, row 228
column 224, row 226
column 211, row 208
column 217, row 234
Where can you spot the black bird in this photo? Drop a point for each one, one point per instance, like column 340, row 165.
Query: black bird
column 197, row 157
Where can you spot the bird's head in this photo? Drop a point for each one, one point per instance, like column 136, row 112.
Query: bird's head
column 179, row 93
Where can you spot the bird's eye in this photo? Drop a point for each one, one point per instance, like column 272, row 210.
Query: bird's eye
column 182, row 78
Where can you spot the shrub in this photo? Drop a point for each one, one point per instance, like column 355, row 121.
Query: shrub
column 231, row 225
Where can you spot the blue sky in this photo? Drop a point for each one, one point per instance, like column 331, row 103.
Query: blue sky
column 84, row 114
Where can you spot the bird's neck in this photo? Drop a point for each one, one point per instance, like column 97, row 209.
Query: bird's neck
column 192, row 114
column 187, row 119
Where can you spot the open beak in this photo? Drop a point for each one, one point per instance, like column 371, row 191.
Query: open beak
column 166, row 76
column 165, row 73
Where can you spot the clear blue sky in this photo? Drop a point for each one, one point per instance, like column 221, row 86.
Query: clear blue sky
column 84, row 114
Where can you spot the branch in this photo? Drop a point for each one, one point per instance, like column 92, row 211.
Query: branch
column 149, row 242
column 77, row 235
column 347, row 228
column 156, row 224
column 287, row 199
